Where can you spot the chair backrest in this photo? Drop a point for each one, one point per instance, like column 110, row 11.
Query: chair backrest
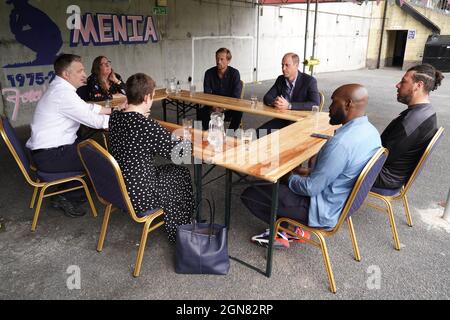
column 322, row 101
column 242, row 89
column 105, row 175
column 83, row 92
column 425, row 156
column 363, row 184
column 15, row 146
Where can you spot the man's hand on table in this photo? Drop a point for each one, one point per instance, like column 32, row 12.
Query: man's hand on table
column 281, row 103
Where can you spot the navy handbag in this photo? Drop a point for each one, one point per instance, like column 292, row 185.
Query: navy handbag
column 202, row 248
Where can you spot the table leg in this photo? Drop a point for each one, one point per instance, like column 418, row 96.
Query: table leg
column 228, row 185
column 273, row 218
column 198, row 188
column 164, row 106
column 178, row 112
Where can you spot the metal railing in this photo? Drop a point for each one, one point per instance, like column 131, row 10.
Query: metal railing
column 441, row 6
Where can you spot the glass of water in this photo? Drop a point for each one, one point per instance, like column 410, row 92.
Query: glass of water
column 246, row 139
column 192, row 90
column 315, row 115
column 178, row 88
column 254, row 100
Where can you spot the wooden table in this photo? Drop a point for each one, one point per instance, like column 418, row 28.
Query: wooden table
column 160, row 94
column 199, row 98
column 202, row 150
column 277, row 154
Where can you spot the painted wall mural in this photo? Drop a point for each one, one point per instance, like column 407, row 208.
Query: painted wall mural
column 112, row 29
column 36, row 30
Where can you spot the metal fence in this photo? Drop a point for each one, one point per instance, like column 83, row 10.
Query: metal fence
column 441, row 6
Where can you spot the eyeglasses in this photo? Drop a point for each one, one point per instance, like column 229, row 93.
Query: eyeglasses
column 108, row 63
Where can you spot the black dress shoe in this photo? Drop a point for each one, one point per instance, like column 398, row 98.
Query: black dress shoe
column 69, row 208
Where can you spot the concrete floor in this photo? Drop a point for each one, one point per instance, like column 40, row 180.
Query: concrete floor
column 38, row 265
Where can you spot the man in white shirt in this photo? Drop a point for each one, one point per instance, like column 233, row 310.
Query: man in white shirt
column 56, row 120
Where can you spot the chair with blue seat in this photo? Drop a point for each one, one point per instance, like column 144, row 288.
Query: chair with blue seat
column 39, row 179
column 109, row 185
column 390, row 195
column 356, row 198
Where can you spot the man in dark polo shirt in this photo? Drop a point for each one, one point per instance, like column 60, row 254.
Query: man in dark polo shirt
column 222, row 80
column 407, row 136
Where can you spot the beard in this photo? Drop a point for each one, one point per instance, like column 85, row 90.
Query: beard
column 337, row 118
column 405, row 99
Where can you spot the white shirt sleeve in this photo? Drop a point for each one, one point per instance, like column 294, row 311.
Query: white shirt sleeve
column 73, row 107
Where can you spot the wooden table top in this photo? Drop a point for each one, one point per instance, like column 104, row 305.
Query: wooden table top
column 238, row 105
column 272, row 156
column 160, row 94
column 201, row 147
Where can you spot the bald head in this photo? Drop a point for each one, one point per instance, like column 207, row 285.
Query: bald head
column 349, row 102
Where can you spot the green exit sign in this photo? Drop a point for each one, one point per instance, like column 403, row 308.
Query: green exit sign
column 160, row 11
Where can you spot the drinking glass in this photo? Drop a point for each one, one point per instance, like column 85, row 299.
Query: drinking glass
column 192, row 90
column 171, row 85
column 108, row 103
column 246, row 139
column 178, row 88
column 315, row 115
column 187, row 128
column 254, row 99
column 216, row 131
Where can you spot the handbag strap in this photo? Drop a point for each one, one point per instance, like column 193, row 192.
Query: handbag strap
column 212, row 211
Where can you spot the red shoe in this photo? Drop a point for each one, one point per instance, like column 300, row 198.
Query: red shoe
column 281, row 240
column 301, row 235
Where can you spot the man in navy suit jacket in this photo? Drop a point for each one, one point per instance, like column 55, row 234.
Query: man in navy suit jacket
column 293, row 90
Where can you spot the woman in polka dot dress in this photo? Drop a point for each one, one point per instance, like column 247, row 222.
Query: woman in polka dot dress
column 135, row 139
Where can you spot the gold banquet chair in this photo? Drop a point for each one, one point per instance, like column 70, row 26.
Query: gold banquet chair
column 387, row 196
column 322, row 101
column 356, row 198
column 109, row 185
column 243, row 89
column 39, row 179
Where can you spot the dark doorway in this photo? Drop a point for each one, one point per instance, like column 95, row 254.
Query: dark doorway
column 399, row 49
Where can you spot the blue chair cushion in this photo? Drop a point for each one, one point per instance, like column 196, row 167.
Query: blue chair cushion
column 366, row 184
column 52, row 176
column 386, row 192
column 147, row 213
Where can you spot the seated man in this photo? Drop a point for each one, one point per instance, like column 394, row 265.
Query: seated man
column 317, row 196
column 57, row 117
column 222, row 80
column 407, row 136
column 293, row 90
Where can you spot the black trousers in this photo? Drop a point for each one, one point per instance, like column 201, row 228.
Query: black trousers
column 62, row 159
column 235, row 117
column 385, row 180
column 290, row 205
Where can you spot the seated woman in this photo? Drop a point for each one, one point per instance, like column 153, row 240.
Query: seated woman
column 103, row 83
column 135, row 139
